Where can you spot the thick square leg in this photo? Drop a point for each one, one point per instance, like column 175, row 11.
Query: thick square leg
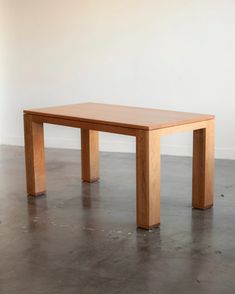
column 203, row 167
column 34, row 156
column 90, row 155
column 148, row 179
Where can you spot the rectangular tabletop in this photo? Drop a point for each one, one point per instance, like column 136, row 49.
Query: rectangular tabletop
column 122, row 116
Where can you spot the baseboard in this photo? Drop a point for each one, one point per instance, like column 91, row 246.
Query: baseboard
column 120, row 145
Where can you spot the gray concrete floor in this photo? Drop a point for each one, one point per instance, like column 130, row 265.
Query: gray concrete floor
column 82, row 238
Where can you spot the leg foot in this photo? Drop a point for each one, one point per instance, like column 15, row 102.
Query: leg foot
column 34, row 157
column 148, row 179
column 90, row 155
column 203, row 167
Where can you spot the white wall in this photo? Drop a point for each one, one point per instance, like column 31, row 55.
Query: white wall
column 172, row 54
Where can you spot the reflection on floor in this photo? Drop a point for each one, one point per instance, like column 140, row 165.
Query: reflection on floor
column 81, row 238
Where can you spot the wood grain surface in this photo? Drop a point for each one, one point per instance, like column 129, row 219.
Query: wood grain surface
column 147, row 125
column 122, row 116
column 34, row 157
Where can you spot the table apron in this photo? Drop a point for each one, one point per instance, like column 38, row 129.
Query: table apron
column 117, row 129
column 84, row 125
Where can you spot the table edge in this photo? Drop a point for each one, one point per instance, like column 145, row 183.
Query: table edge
column 123, row 125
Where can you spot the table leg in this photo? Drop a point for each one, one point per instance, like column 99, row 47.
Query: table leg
column 203, row 167
column 34, row 156
column 148, row 179
column 90, row 155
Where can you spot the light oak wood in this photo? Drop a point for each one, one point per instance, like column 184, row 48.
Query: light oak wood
column 90, row 155
column 148, row 179
column 116, row 129
column 203, row 167
column 84, row 125
column 34, row 157
column 183, row 128
column 147, row 125
column 122, row 116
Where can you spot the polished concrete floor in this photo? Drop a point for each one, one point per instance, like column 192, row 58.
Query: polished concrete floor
column 82, row 238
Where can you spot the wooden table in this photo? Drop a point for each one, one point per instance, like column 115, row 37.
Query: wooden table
column 147, row 125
